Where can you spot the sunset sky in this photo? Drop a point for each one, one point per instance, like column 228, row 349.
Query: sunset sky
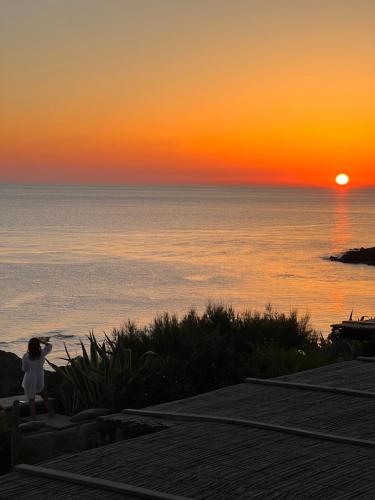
column 187, row 91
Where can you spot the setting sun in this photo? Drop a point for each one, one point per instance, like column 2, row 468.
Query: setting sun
column 342, row 179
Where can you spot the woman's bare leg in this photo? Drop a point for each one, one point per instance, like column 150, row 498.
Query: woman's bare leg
column 32, row 408
column 47, row 403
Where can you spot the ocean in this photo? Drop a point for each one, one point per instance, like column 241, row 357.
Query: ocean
column 75, row 258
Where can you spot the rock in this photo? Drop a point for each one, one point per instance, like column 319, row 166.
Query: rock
column 10, row 374
column 90, row 414
column 31, row 426
column 357, row 256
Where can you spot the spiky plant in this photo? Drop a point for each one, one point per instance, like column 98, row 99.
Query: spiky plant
column 100, row 375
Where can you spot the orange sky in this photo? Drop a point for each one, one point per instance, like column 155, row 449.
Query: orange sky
column 170, row 91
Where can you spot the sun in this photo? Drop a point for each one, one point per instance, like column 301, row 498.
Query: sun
column 342, row 179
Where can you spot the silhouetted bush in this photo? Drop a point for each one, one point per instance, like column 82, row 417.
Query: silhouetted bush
column 174, row 358
column 199, row 353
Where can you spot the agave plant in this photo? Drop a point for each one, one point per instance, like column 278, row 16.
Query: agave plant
column 101, row 374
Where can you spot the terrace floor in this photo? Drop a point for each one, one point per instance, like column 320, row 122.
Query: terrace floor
column 307, row 435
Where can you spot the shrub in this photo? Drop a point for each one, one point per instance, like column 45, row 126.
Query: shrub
column 174, row 358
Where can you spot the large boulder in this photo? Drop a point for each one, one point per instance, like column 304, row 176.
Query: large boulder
column 10, row 374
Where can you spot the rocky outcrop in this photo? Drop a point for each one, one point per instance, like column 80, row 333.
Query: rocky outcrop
column 357, row 256
column 10, row 374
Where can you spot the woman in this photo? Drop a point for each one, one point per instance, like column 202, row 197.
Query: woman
column 33, row 380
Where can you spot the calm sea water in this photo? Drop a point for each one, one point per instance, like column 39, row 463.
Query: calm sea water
column 80, row 258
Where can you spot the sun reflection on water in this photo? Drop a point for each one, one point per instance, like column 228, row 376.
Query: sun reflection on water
column 342, row 235
column 342, row 230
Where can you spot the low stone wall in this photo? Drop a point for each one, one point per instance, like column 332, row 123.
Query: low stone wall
column 43, row 445
column 46, row 444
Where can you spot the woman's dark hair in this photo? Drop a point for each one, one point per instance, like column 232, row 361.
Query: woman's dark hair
column 34, row 348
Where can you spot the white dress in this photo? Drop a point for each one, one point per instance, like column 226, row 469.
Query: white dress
column 33, row 380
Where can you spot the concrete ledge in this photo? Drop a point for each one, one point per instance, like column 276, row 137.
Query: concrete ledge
column 310, row 387
column 7, row 403
column 94, row 482
column 196, row 417
column 57, row 422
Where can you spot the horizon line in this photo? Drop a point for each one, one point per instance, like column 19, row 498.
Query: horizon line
column 188, row 185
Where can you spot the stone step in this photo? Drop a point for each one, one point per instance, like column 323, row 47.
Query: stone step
column 57, row 422
column 7, row 403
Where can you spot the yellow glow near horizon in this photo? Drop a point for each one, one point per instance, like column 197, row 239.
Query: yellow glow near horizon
column 342, row 179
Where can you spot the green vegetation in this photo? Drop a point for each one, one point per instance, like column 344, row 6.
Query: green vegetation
column 100, row 376
column 175, row 358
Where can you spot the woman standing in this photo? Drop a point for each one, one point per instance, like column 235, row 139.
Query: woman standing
column 33, row 380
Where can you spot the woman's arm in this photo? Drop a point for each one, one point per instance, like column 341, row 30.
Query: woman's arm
column 47, row 348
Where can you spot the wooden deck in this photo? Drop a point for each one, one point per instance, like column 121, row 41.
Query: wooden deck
column 227, row 459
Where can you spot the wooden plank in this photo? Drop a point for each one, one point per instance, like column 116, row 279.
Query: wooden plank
column 98, row 483
column 13, row 487
column 316, row 411
column 348, row 374
column 310, row 387
column 207, row 460
column 254, row 423
column 367, row 359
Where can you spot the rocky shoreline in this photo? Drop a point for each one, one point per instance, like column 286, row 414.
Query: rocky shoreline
column 357, row 256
